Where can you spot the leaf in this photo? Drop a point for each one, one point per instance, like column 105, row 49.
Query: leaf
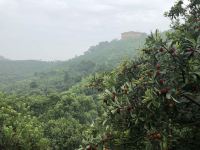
column 108, row 92
column 107, row 127
column 175, row 100
column 133, row 116
column 168, row 95
column 113, row 111
column 104, row 122
column 197, row 74
column 156, row 104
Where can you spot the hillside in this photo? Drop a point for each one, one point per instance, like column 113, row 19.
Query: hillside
column 2, row 58
column 63, row 74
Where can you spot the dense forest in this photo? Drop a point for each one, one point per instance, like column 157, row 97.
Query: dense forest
column 133, row 94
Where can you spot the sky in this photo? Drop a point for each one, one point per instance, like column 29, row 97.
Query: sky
column 62, row 29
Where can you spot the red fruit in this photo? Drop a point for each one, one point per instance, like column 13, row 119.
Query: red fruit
column 157, row 73
column 113, row 96
column 162, row 81
column 158, row 136
column 172, row 50
column 158, row 66
column 154, row 136
column 190, row 49
column 164, row 91
column 171, row 105
column 161, row 49
column 129, row 108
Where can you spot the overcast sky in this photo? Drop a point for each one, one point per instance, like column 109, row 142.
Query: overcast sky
column 61, row 29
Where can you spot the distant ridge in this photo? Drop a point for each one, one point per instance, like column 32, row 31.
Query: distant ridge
column 2, row 58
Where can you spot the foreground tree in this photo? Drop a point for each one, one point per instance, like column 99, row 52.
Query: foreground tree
column 153, row 102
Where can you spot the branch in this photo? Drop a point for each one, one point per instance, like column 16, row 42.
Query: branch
column 190, row 99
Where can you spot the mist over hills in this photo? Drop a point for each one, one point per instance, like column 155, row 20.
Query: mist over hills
column 102, row 57
column 2, row 58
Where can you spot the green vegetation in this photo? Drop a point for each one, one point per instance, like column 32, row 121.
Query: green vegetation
column 48, row 105
column 151, row 102
column 16, row 76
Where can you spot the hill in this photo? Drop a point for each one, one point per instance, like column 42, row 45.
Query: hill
column 2, row 58
column 19, row 74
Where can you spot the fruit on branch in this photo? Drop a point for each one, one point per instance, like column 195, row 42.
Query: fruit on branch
column 161, row 49
column 113, row 96
column 172, row 50
column 171, row 105
column 158, row 73
column 154, row 136
column 158, row 66
column 164, row 90
column 190, row 49
column 158, row 136
column 162, row 81
column 129, row 108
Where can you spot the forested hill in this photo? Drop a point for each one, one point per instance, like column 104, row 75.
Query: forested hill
column 113, row 52
column 61, row 75
column 12, row 71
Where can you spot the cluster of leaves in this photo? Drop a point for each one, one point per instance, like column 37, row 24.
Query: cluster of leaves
column 19, row 129
column 42, row 122
column 154, row 102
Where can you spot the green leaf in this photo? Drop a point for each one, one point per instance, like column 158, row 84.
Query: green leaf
column 168, row 95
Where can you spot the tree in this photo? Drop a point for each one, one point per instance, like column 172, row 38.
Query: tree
column 153, row 102
column 33, row 85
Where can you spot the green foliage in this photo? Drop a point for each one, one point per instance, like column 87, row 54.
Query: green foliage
column 64, row 133
column 153, row 102
column 22, row 76
column 19, row 130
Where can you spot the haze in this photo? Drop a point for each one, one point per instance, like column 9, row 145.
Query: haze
column 61, row 29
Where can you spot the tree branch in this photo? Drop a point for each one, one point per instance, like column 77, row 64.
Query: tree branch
column 190, row 99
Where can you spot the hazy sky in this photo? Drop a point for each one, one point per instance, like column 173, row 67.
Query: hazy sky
column 61, row 29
